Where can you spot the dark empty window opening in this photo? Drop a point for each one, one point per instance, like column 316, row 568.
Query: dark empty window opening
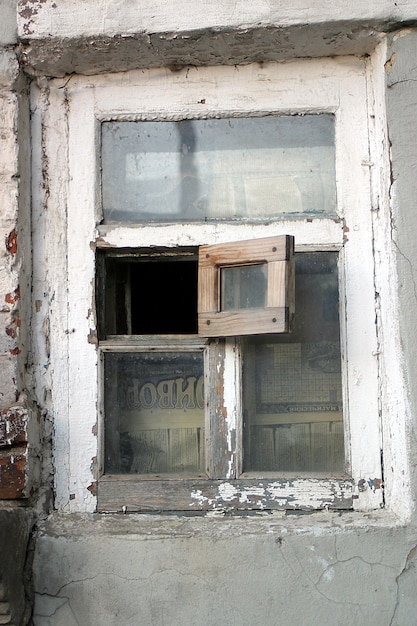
column 147, row 295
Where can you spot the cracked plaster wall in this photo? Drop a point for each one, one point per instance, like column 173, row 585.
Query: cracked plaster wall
column 401, row 96
column 57, row 38
column 266, row 570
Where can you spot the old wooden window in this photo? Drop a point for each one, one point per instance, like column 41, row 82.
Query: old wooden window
column 158, row 421
column 166, row 162
column 246, row 288
column 231, row 168
column 208, row 399
column 292, row 387
column 166, row 441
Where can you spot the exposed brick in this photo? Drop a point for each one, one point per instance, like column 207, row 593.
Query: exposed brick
column 9, row 330
column 12, row 298
column 8, row 283
column 11, row 242
column 12, row 329
column 12, row 474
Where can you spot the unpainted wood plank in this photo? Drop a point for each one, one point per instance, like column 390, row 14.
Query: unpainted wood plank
column 153, row 343
column 277, row 284
column 278, row 253
column 240, row 252
column 207, row 285
column 244, row 322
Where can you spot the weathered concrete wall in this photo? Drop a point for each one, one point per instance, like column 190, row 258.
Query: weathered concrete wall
column 16, row 407
column 19, row 463
column 102, row 36
column 15, row 566
column 13, row 426
column 401, row 97
column 268, row 569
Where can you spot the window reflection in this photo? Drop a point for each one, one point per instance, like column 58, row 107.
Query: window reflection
column 292, row 387
column 218, row 168
column 154, row 409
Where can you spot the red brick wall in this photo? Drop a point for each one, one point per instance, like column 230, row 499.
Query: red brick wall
column 13, row 452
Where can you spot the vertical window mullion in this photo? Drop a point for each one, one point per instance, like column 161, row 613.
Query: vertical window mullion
column 221, row 399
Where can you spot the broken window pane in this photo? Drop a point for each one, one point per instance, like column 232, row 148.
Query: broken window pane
column 142, row 295
column 154, row 413
column 218, row 168
column 292, row 387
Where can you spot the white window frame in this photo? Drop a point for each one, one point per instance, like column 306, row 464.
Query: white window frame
column 337, row 86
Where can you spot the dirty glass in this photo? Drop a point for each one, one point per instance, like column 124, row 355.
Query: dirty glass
column 230, row 168
column 243, row 287
column 292, row 388
column 154, row 413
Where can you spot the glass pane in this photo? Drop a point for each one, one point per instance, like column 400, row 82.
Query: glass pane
column 154, row 413
column 218, row 168
column 292, row 383
column 243, row 287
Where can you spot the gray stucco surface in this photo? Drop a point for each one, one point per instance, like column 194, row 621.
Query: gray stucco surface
column 15, row 589
column 268, row 569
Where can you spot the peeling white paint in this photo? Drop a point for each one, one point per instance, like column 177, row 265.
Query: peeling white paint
column 307, row 494
column 231, row 385
column 227, row 492
column 336, row 85
column 250, row 493
column 198, row 496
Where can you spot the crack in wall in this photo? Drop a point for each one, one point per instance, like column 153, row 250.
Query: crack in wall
column 409, row 562
column 411, row 266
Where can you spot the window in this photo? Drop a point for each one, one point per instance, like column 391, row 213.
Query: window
column 154, row 407
column 246, row 287
column 292, row 391
column 198, row 169
column 159, row 424
column 160, row 166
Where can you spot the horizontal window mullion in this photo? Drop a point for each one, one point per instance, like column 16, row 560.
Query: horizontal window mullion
column 312, row 232
column 154, row 343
